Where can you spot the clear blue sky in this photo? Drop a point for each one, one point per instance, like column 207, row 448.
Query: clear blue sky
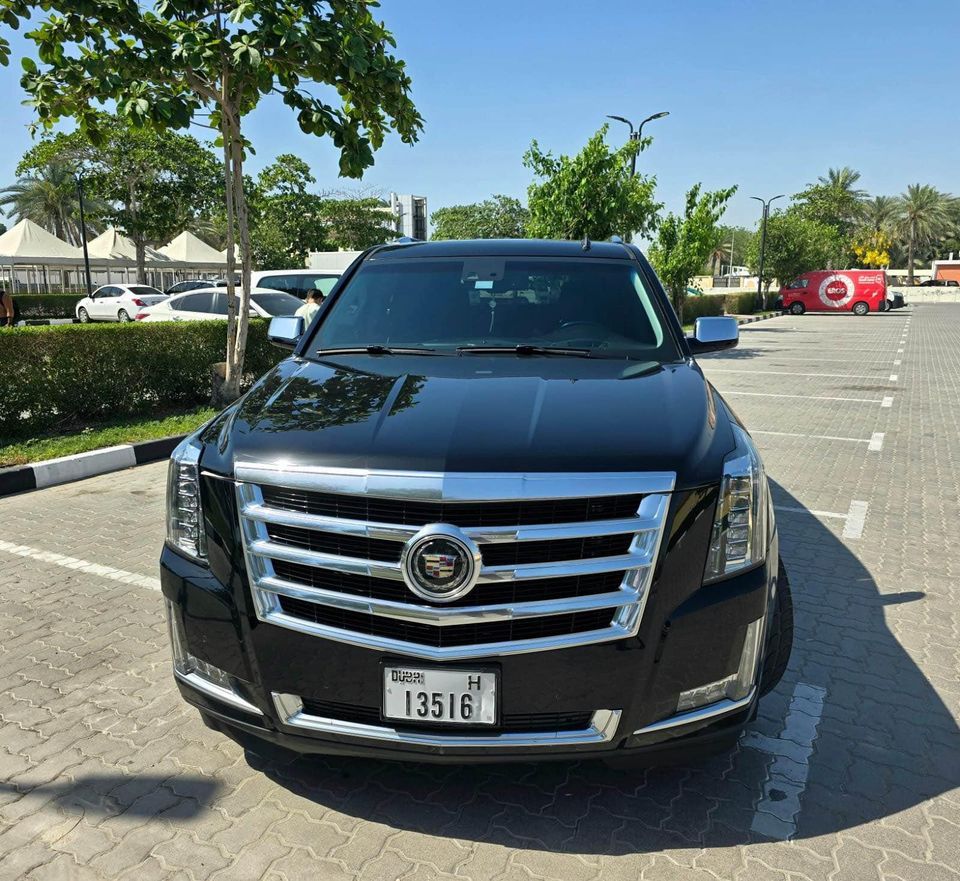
column 763, row 95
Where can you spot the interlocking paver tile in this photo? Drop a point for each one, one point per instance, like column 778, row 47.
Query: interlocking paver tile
column 106, row 774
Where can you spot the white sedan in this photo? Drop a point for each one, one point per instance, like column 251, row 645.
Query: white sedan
column 117, row 302
column 211, row 304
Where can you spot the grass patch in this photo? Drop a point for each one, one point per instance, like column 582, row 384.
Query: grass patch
column 104, row 434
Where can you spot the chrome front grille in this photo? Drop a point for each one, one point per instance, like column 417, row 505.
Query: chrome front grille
column 317, row 566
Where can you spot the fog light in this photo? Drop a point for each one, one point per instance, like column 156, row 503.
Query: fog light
column 734, row 687
column 203, row 675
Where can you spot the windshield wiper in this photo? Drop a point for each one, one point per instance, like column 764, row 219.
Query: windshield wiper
column 524, row 349
column 377, row 350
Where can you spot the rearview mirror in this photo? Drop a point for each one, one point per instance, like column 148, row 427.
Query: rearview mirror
column 714, row 334
column 285, row 331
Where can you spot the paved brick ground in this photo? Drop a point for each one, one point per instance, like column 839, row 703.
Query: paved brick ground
column 851, row 770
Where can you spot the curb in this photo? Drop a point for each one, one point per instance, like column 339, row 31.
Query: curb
column 23, row 478
column 752, row 318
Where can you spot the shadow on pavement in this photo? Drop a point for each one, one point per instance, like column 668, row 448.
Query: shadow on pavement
column 885, row 742
column 109, row 795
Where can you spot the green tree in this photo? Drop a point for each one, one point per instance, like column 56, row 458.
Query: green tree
column 795, row 244
column 684, row 242
column 500, row 217
column 47, row 195
column 167, row 63
column 835, row 200
column 730, row 247
column 924, row 215
column 150, row 186
column 355, row 224
column 591, row 194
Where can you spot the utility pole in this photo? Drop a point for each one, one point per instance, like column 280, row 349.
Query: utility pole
column 763, row 241
column 83, row 231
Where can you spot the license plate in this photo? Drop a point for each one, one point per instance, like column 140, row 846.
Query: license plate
column 452, row 697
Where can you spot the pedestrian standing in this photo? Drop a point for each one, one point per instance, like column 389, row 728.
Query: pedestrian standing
column 310, row 308
column 8, row 311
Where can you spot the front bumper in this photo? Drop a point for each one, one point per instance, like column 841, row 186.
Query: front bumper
column 628, row 688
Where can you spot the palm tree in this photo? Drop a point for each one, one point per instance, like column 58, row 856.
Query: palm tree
column 880, row 214
column 842, row 180
column 925, row 214
column 49, row 199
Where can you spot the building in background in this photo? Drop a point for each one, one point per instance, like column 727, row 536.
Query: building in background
column 410, row 215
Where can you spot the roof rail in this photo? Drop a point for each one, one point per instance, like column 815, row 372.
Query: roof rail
column 616, row 240
column 404, row 240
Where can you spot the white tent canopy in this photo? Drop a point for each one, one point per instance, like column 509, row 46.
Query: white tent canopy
column 30, row 244
column 187, row 248
column 112, row 245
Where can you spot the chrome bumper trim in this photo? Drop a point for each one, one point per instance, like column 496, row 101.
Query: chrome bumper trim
column 218, row 692
column 603, row 728
column 720, row 708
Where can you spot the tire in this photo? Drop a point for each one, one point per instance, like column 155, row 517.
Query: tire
column 123, row 316
column 776, row 653
column 861, row 308
column 797, row 308
column 83, row 315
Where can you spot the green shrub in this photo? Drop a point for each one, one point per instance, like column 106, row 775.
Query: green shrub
column 73, row 374
column 698, row 307
column 34, row 306
column 741, row 304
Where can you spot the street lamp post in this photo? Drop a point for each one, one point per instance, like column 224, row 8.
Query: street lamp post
column 763, row 240
column 83, row 231
column 636, row 135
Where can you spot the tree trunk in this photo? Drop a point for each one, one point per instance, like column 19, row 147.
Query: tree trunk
column 227, row 389
column 910, row 257
column 246, row 267
column 141, row 247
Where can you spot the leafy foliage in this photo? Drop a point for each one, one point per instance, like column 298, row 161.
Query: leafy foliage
column 149, row 185
column 730, row 248
column 872, row 249
column 71, row 374
column 39, row 306
column 500, row 217
column 591, row 194
column 795, row 244
column 47, row 195
column 166, row 63
column 924, row 214
column 683, row 243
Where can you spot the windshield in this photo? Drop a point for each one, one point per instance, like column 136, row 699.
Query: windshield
column 277, row 304
column 602, row 306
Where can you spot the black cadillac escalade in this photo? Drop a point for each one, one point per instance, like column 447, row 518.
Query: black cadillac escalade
column 488, row 509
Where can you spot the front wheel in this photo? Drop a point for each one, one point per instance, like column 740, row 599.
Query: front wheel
column 860, row 308
column 776, row 654
column 83, row 315
column 123, row 316
column 797, row 308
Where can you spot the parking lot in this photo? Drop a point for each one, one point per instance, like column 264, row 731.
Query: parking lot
column 851, row 770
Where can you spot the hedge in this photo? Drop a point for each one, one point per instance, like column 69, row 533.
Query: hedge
column 32, row 306
column 698, row 307
column 63, row 376
column 741, row 304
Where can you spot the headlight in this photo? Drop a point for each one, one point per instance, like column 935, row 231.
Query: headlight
column 184, row 513
column 739, row 538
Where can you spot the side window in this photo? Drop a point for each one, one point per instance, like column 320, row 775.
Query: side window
column 275, row 282
column 105, row 292
column 325, row 283
column 798, row 284
column 197, row 303
column 219, row 306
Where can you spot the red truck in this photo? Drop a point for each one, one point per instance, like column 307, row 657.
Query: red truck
column 825, row 290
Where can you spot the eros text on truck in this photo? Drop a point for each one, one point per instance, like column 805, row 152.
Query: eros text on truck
column 488, row 509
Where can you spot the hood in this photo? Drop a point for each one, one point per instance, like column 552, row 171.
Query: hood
column 476, row 413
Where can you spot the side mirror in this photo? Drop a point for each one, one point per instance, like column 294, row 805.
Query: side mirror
column 714, row 335
column 285, row 331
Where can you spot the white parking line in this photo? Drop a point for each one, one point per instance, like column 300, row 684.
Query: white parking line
column 897, row 362
column 777, row 810
column 831, row 437
column 876, row 442
column 808, row 397
column 899, row 351
column 795, row 510
column 856, row 519
column 793, row 373
column 893, row 377
column 110, row 572
column 886, row 402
